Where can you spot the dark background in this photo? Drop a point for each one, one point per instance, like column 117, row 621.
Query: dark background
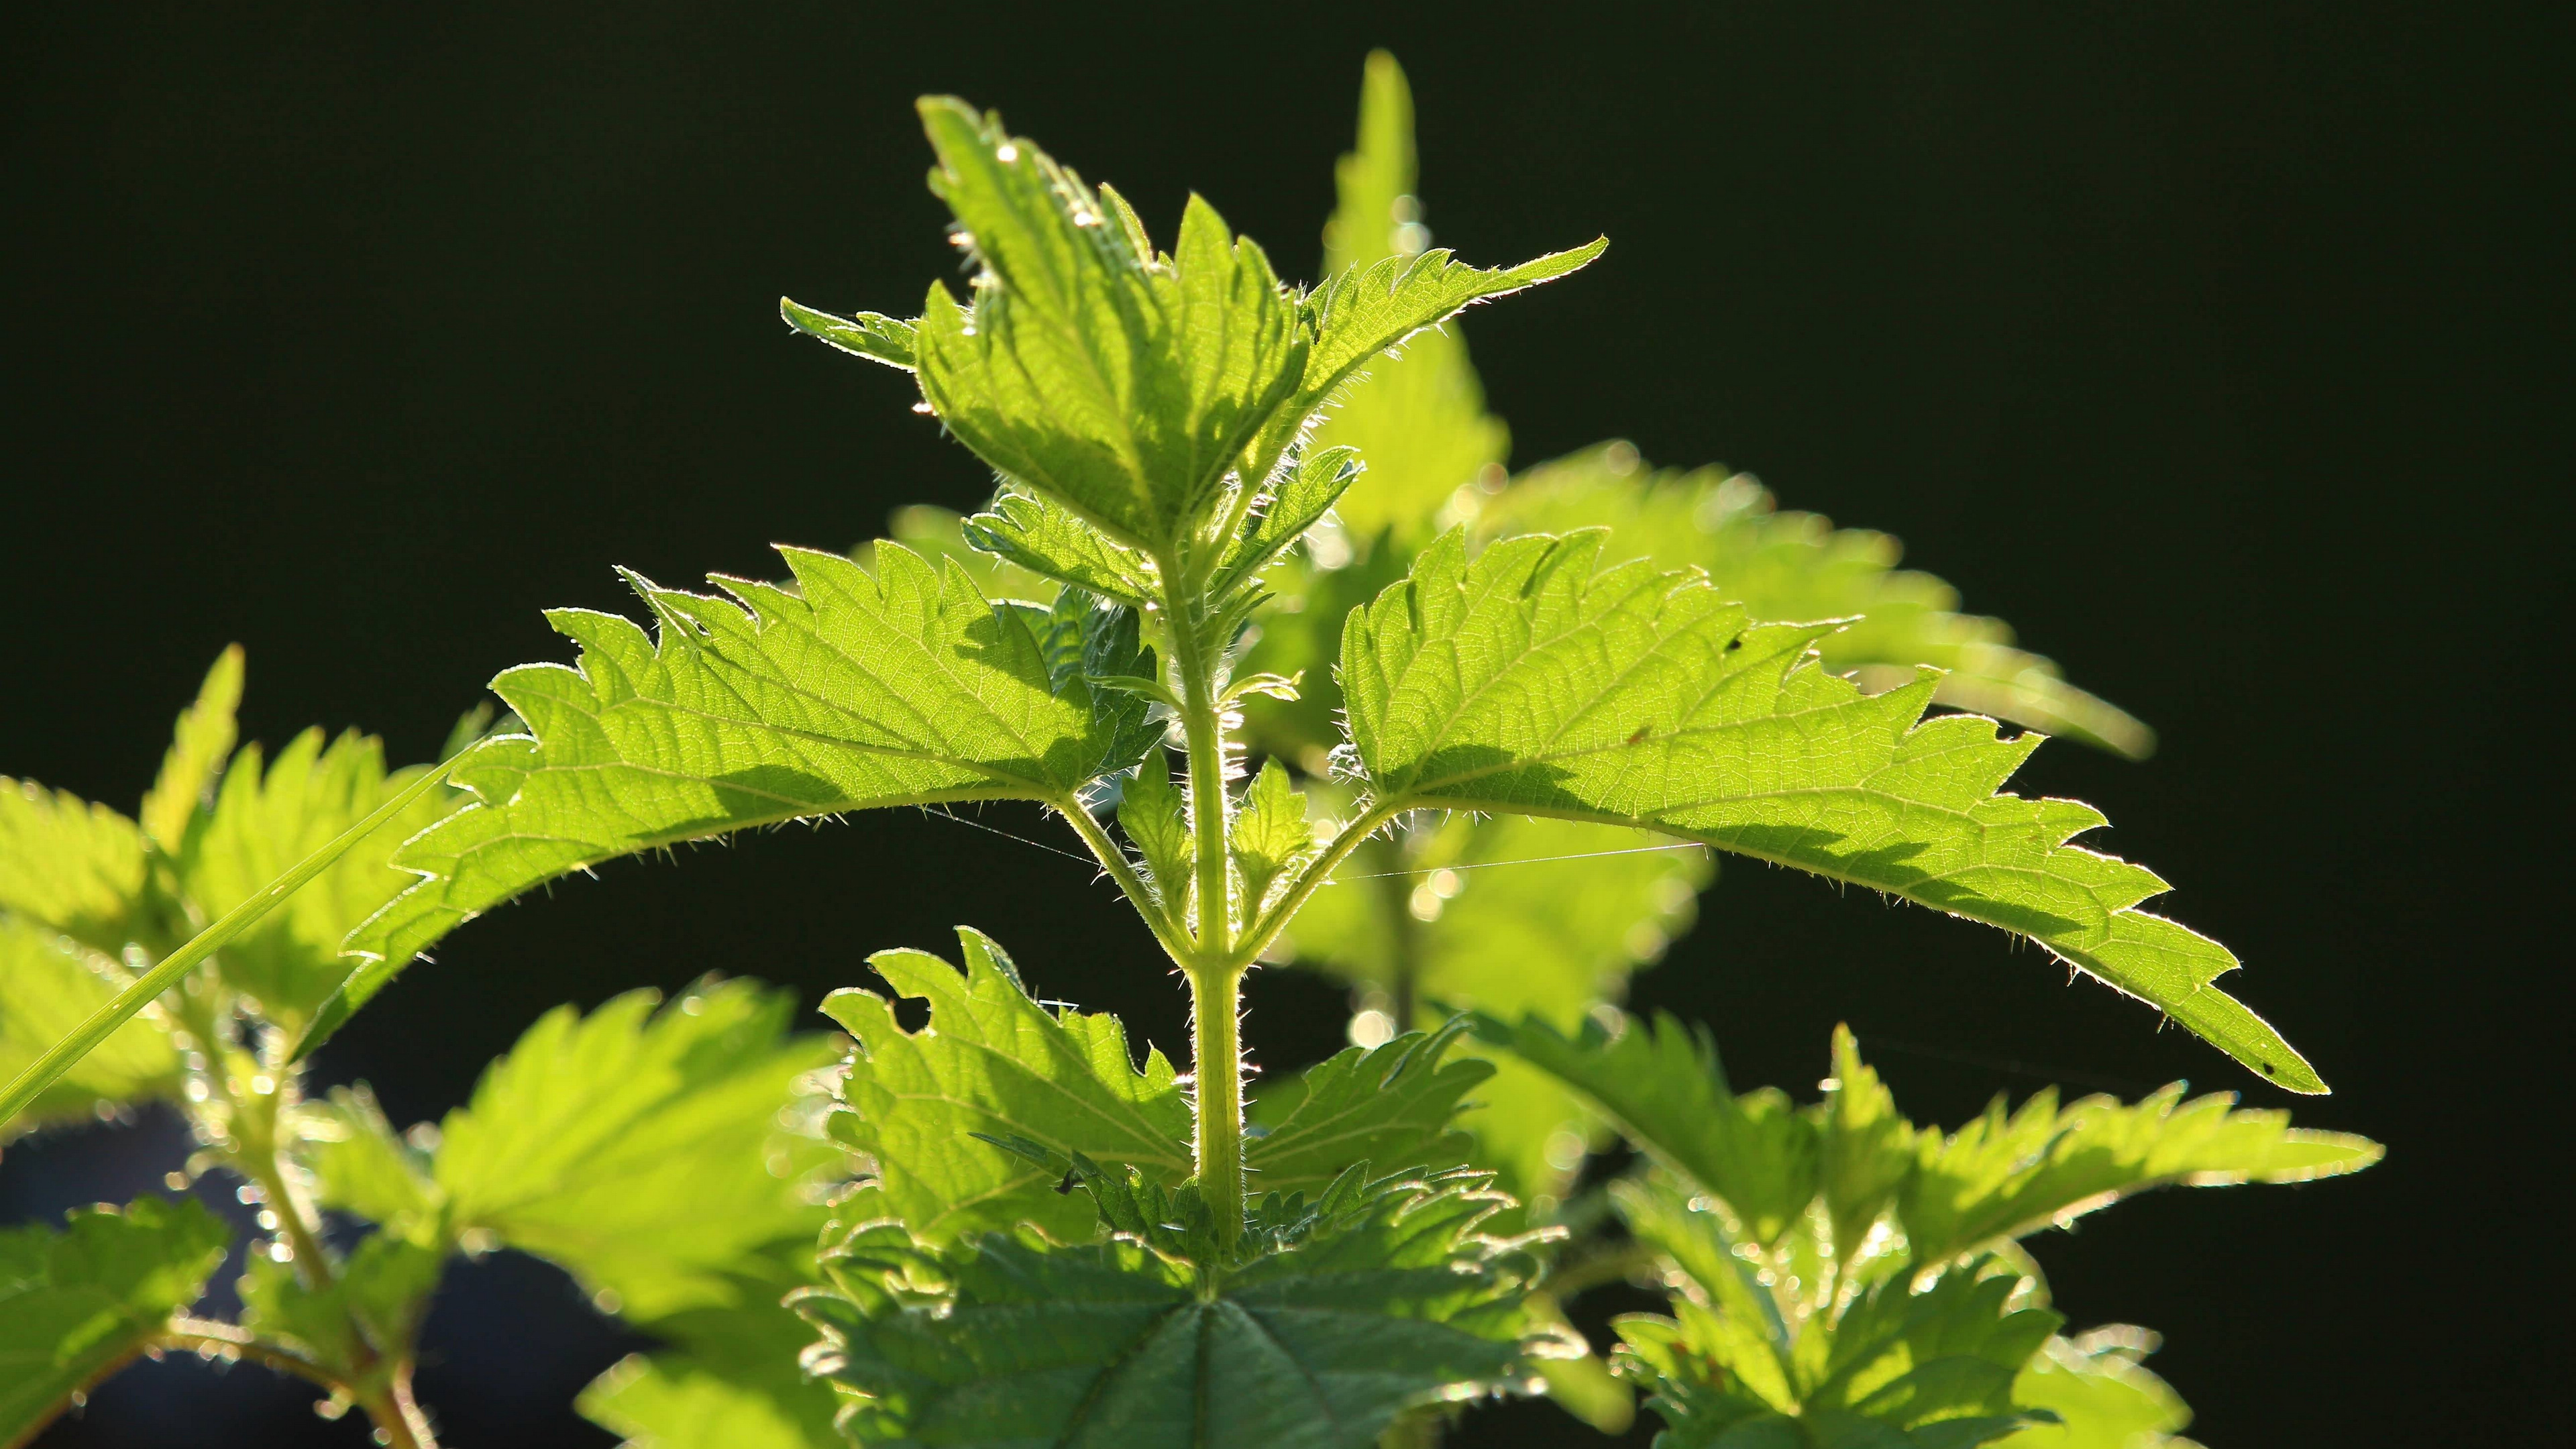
column 2205, row 343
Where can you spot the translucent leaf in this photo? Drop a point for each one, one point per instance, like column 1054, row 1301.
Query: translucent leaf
column 995, row 1062
column 1512, row 915
column 848, row 691
column 726, row 1378
column 1317, row 1343
column 1865, row 1149
column 871, row 335
column 49, row 985
column 361, row 1166
column 939, row 535
column 1270, row 833
column 69, row 865
column 262, row 824
column 1526, row 683
column 1929, row 1370
column 76, row 1304
column 1662, row 1085
column 1790, row 565
column 2004, row 1175
column 2103, row 1397
column 650, row 1153
column 1391, row 1104
column 1153, row 812
column 1419, row 418
column 1125, row 383
column 359, row 1326
column 198, row 747
column 1366, row 310
column 1034, row 533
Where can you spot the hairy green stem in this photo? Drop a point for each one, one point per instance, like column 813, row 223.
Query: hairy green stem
column 397, row 1415
column 85, row 1038
column 1167, row 929
column 1312, row 877
column 1216, row 1054
column 1203, row 725
column 255, row 1149
column 1215, row 971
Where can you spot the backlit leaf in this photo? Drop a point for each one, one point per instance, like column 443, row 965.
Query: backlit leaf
column 848, row 691
column 2103, row 1397
column 1790, row 565
column 995, row 1062
column 69, row 865
column 262, row 824
column 1660, row 1082
column 649, row 1152
column 1126, row 383
column 871, row 335
column 76, row 1304
column 1932, row 1369
column 726, row 1378
column 1527, row 683
column 198, row 748
column 49, row 984
column 2007, row 1174
column 1392, row 1105
column 1270, row 833
column 1316, row 1344
column 1418, row 419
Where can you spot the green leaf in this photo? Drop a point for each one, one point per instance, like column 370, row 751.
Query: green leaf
column 1865, row 1149
column 1392, row 1104
column 1949, row 1352
column 650, row 1153
column 69, row 865
column 1373, row 182
column 360, row 1165
column 49, row 985
column 851, row 691
column 1512, row 915
column 939, row 534
column 1392, row 1301
column 871, row 335
column 995, row 1062
column 361, row 1326
column 1270, row 833
column 1927, row 1370
column 2005, row 1175
column 1154, row 813
column 1033, row 532
column 1364, row 311
column 1125, row 383
column 727, row 1379
column 2103, row 1397
column 75, row 1305
column 1756, row 1323
column 1789, row 565
column 1662, row 1085
column 198, row 747
column 262, row 824
column 1299, row 637
column 1323, row 475
column 1418, row 419
column 1526, row 683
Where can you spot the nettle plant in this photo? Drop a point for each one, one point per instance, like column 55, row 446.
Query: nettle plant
column 1232, row 524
